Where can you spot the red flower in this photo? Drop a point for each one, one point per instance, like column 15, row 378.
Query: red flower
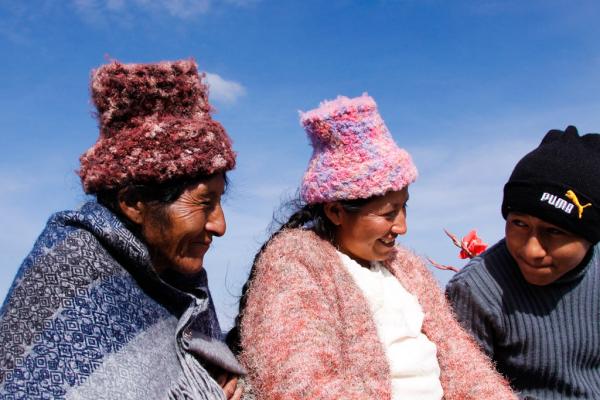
column 471, row 245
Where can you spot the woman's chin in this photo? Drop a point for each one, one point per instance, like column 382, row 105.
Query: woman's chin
column 189, row 266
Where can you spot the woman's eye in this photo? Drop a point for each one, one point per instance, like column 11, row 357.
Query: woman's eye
column 391, row 214
column 555, row 232
column 205, row 203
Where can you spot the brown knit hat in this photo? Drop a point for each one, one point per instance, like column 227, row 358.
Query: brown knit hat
column 155, row 126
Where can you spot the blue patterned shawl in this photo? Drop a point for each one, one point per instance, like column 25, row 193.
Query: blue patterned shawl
column 88, row 318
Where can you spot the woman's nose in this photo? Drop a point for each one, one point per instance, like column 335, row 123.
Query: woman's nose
column 399, row 227
column 216, row 222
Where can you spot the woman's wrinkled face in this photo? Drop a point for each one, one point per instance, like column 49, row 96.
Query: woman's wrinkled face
column 180, row 233
column 370, row 234
column 543, row 251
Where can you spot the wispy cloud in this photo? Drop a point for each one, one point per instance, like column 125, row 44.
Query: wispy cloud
column 222, row 90
column 16, row 19
column 490, row 7
column 95, row 10
column 184, row 9
column 462, row 184
column 242, row 3
column 459, row 189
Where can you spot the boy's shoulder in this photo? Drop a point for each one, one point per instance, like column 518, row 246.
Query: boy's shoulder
column 492, row 272
column 497, row 256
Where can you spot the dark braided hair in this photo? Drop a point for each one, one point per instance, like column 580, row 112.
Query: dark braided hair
column 309, row 216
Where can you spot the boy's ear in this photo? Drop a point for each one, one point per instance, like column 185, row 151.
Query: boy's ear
column 131, row 207
column 334, row 212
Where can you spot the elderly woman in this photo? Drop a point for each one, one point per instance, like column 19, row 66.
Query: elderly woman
column 113, row 301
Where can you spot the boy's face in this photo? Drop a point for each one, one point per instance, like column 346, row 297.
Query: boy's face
column 543, row 251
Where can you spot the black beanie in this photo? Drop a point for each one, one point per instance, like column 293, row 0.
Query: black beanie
column 559, row 182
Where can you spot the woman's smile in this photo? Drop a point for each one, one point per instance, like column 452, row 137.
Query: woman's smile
column 184, row 237
column 370, row 234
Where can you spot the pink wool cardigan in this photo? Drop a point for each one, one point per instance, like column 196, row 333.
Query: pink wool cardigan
column 307, row 331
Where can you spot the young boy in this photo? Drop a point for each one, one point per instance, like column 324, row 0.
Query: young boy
column 532, row 301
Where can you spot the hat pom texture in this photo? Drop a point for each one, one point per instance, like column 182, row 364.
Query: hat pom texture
column 354, row 155
column 155, row 126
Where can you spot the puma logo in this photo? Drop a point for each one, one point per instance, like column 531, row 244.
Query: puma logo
column 557, row 202
column 573, row 197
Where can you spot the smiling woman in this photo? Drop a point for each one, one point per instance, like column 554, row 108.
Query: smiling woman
column 113, row 300
column 177, row 220
column 181, row 232
column 333, row 307
column 370, row 234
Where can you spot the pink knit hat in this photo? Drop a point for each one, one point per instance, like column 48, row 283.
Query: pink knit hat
column 155, row 126
column 354, row 155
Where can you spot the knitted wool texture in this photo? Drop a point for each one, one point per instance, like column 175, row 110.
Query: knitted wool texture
column 155, row 126
column 354, row 155
column 307, row 331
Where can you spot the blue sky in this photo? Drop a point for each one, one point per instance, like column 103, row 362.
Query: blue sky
column 467, row 87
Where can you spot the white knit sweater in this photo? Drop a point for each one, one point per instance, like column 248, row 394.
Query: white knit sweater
column 398, row 316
